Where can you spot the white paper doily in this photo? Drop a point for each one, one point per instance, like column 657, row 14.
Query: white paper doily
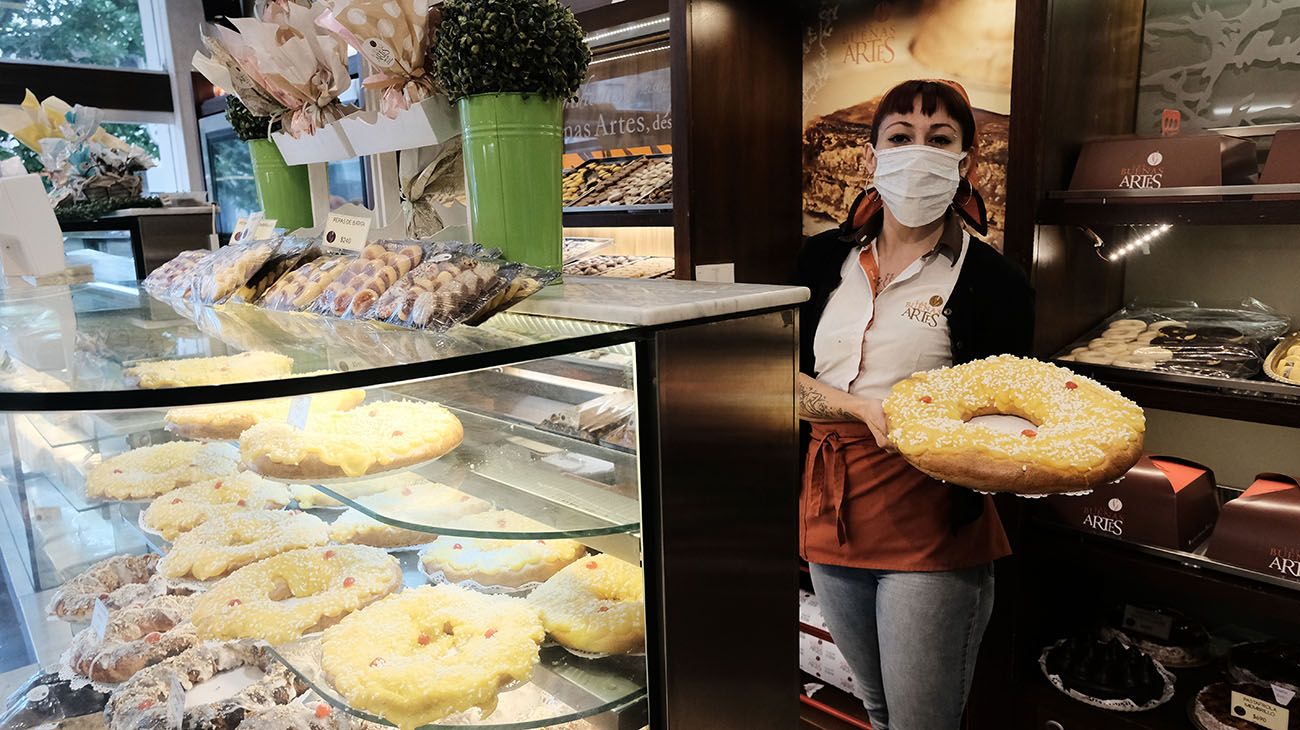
column 1116, row 705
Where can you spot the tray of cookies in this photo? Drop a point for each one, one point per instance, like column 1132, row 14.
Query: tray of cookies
column 588, row 176
column 633, row 183
column 227, row 269
column 296, row 290
column 441, row 291
column 356, row 289
column 291, row 252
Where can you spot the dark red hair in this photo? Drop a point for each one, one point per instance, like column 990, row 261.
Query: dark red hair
column 934, row 95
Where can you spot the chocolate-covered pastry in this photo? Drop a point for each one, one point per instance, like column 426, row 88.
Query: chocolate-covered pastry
column 1106, row 670
column 1265, row 662
column 47, row 699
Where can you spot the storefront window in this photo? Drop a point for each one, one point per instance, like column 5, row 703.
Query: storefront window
column 117, row 33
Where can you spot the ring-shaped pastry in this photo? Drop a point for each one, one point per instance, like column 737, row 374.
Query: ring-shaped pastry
column 1083, row 434
column 224, row 544
column 297, row 592
column 181, row 510
column 595, row 605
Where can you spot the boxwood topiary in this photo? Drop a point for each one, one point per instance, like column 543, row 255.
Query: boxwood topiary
column 247, row 125
column 528, row 46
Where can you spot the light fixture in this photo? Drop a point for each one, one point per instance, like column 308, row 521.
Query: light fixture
column 1141, row 241
column 595, row 37
column 621, row 56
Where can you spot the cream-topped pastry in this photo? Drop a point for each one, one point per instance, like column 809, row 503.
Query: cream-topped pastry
column 499, row 561
column 426, row 504
column 226, row 543
column 426, row 653
column 244, row 367
column 228, row 420
column 149, row 471
column 594, row 605
column 1083, row 434
column 377, row 438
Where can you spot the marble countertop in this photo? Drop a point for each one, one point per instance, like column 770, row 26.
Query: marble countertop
column 649, row 302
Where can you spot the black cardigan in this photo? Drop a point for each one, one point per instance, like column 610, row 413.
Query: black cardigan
column 990, row 311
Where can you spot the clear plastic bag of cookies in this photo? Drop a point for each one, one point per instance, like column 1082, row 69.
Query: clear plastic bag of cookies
column 165, row 280
column 228, row 268
column 366, row 277
column 292, row 252
column 522, row 281
column 451, row 285
column 297, row 290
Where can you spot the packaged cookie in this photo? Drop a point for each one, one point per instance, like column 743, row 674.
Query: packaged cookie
column 452, row 284
column 163, row 281
column 522, row 281
column 291, row 253
column 356, row 289
column 296, row 290
column 221, row 274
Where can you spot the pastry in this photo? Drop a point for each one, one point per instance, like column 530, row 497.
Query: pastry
column 426, row 653
column 297, row 290
column 227, row 420
column 499, row 562
column 309, row 497
column 146, row 701
column 418, row 504
column 1085, row 433
column 1265, row 662
column 181, row 510
column 241, row 368
column 119, row 581
column 967, row 39
column 289, row 255
column 381, row 437
column 224, row 544
column 174, row 277
column 297, row 592
column 46, row 701
column 366, row 277
column 229, row 268
column 1106, row 671
column 440, row 292
column 1187, row 644
column 149, row 471
column 133, row 639
column 595, row 605
column 1213, row 709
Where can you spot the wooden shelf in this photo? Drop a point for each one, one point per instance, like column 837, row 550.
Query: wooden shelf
column 1178, row 212
column 617, row 216
column 843, row 708
column 1258, row 401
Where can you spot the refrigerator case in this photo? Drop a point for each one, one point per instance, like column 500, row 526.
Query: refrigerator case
column 697, row 493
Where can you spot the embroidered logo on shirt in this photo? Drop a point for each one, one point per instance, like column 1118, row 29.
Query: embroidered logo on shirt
column 925, row 312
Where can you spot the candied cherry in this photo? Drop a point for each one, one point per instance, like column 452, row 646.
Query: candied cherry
column 1071, row 385
column 926, row 399
column 349, row 581
column 592, row 565
column 457, row 546
column 1029, row 433
column 234, row 602
column 489, row 633
column 602, row 609
column 541, row 542
column 396, row 434
column 117, row 471
column 423, row 640
column 322, row 710
column 216, row 484
column 329, row 554
column 145, row 704
column 377, row 662
column 103, row 596
column 153, row 637
column 176, row 501
column 242, row 503
column 406, row 491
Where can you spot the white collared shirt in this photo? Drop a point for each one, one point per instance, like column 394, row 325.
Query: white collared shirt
column 908, row 321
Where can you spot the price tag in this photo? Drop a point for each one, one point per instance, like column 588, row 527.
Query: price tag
column 265, row 229
column 1260, row 712
column 1283, row 694
column 99, row 619
column 238, row 234
column 247, row 231
column 346, row 231
column 298, row 410
column 175, row 703
column 1145, row 621
column 38, row 693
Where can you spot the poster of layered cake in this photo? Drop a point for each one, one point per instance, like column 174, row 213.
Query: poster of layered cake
column 856, row 50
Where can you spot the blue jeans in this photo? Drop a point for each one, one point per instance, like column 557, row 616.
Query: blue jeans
column 910, row 638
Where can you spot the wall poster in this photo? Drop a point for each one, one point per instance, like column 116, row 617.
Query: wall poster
column 856, row 50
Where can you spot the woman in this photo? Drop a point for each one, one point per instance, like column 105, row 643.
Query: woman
column 901, row 563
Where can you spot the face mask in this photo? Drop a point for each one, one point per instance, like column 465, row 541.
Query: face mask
column 917, row 182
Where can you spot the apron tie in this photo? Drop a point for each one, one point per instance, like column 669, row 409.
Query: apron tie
column 830, row 472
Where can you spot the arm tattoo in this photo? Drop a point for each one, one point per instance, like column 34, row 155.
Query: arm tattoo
column 814, row 405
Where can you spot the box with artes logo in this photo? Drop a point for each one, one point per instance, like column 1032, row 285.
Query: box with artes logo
column 1260, row 530
column 1162, row 501
column 1134, row 163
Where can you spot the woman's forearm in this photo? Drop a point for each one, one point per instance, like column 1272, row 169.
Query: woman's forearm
column 821, row 403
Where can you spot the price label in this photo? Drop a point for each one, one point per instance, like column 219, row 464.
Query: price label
column 1260, row 712
column 247, row 229
column 238, row 234
column 175, row 703
column 265, row 229
column 346, row 231
column 298, row 410
column 1146, row 621
column 99, row 619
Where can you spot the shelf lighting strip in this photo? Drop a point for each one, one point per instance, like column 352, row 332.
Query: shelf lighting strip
column 622, row 56
column 597, row 37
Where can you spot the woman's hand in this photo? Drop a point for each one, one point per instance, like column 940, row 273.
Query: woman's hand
column 872, row 412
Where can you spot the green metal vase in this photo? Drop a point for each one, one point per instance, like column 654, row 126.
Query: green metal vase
column 513, row 148
column 284, row 190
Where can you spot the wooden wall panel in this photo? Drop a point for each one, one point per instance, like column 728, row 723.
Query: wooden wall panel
column 737, row 95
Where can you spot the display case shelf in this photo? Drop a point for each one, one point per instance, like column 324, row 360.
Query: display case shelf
column 614, row 216
column 564, row 688
column 1208, row 205
column 1260, row 401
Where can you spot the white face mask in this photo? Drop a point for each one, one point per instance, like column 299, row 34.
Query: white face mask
column 917, row 182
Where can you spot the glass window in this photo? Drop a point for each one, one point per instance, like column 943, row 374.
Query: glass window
column 229, row 170
column 118, row 33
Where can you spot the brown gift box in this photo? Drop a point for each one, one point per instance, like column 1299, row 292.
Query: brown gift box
column 1162, row 501
column 1283, row 164
column 1260, row 530
column 1165, row 162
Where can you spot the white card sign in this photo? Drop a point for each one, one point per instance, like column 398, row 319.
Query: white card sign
column 1260, row 712
column 1283, row 694
column 265, row 229
column 99, row 619
column 299, row 409
column 346, row 231
column 1145, row 621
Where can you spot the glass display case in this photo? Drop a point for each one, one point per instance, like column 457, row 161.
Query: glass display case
column 606, row 480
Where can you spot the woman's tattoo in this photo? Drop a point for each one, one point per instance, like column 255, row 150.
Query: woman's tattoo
column 814, row 405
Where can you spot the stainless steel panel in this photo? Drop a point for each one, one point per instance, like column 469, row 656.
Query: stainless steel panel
column 719, row 494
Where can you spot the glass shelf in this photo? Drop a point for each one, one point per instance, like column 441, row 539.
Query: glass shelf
column 65, row 347
column 564, row 688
